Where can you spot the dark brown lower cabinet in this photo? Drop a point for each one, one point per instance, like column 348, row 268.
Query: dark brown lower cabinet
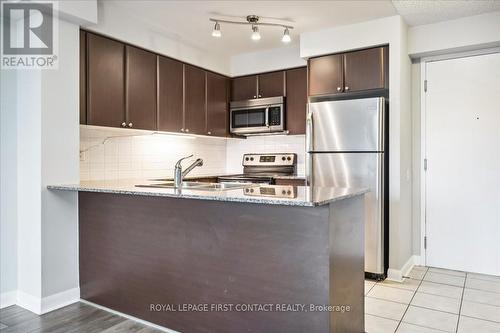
column 141, row 89
column 170, row 90
column 217, row 115
column 194, row 100
column 296, row 100
column 106, row 81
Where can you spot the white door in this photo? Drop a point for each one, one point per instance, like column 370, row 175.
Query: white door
column 462, row 181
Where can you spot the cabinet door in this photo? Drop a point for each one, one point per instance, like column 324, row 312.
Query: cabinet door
column 326, row 75
column 83, row 77
column 216, row 104
column 106, row 81
column 366, row 69
column 170, row 90
column 141, row 88
column 271, row 84
column 296, row 100
column 244, row 87
column 195, row 103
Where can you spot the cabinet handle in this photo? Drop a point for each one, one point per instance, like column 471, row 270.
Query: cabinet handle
column 209, row 133
column 130, row 125
column 346, row 88
column 339, row 89
column 260, row 96
column 254, row 96
column 187, row 130
column 124, row 124
column 182, row 129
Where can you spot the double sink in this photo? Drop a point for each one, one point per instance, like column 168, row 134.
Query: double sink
column 198, row 186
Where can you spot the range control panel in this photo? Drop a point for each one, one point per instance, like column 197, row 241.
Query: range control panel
column 277, row 191
column 274, row 159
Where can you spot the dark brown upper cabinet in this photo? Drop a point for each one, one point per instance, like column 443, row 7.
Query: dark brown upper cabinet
column 355, row 71
column 326, row 75
column 170, row 92
column 244, row 87
column 194, row 100
column 271, row 84
column 296, row 100
column 217, row 87
column 140, row 88
column 366, row 69
column 83, row 77
column 106, row 82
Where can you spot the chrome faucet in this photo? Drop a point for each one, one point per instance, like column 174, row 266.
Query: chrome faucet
column 179, row 174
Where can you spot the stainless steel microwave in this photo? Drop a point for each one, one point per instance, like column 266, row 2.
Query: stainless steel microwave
column 262, row 115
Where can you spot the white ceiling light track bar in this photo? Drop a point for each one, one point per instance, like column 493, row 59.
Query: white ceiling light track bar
column 253, row 21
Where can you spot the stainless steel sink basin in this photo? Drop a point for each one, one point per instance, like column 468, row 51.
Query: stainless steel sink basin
column 199, row 186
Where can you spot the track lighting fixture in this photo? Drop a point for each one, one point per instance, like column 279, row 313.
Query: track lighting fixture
column 253, row 21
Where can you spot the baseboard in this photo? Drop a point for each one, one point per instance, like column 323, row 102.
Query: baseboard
column 398, row 274
column 8, row 298
column 43, row 305
column 29, row 302
column 60, row 300
column 121, row 314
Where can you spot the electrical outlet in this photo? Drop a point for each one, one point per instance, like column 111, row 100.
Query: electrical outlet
column 82, row 156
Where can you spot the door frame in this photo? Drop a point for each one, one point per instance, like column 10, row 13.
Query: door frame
column 423, row 134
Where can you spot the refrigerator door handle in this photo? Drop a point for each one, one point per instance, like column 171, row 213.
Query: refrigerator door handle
column 309, row 130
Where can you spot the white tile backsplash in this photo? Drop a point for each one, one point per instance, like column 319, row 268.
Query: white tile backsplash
column 118, row 154
column 115, row 154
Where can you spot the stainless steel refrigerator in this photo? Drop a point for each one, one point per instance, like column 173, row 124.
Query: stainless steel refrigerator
column 346, row 147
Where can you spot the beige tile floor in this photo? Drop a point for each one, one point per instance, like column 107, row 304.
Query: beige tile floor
column 434, row 300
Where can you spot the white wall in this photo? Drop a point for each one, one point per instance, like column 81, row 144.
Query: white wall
column 392, row 31
column 463, row 34
column 144, row 155
column 116, row 22
column 265, row 144
column 267, row 60
column 60, row 164
column 41, row 111
column 8, row 188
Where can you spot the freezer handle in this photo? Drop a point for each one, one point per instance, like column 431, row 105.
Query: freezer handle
column 309, row 130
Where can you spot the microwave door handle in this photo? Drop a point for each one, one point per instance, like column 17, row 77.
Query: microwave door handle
column 267, row 116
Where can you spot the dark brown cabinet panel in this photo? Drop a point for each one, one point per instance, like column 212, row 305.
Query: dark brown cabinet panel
column 194, row 99
column 141, row 89
column 106, row 81
column 326, row 75
column 244, row 87
column 296, row 100
column 170, row 94
column 216, row 104
column 272, row 84
column 366, row 69
column 83, row 77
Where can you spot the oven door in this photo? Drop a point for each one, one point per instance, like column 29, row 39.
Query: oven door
column 249, row 120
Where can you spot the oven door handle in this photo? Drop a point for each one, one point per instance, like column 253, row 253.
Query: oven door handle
column 267, row 116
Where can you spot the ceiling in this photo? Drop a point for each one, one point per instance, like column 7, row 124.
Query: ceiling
column 188, row 20
column 418, row 12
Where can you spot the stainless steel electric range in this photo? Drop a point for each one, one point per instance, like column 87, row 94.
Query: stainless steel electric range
column 264, row 168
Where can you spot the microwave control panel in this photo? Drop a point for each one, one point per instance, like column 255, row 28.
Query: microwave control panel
column 274, row 116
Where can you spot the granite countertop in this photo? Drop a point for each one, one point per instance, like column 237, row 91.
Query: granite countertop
column 304, row 195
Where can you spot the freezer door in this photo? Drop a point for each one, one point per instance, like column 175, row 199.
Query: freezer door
column 358, row 170
column 349, row 125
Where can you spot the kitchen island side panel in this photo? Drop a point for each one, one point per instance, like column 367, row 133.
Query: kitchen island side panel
column 138, row 250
